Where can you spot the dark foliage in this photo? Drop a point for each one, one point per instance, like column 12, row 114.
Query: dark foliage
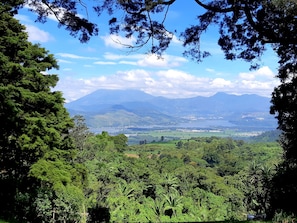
column 244, row 26
column 34, row 122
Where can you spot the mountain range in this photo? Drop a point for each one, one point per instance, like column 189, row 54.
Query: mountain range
column 134, row 108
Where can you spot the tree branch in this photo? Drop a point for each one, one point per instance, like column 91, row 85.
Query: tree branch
column 267, row 35
column 215, row 9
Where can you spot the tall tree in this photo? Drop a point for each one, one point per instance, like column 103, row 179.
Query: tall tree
column 80, row 132
column 34, row 123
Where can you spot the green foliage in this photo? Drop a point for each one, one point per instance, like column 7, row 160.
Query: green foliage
column 79, row 132
column 62, row 204
column 35, row 148
column 157, row 185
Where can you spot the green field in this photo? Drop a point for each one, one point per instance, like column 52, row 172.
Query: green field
column 168, row 135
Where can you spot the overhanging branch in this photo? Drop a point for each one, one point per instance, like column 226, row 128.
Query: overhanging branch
column 215, row 9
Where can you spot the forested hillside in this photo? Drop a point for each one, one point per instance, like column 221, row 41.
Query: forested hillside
column 199, row 179
column 192, row 180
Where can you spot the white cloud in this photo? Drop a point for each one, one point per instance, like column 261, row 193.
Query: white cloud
column 88, row 65
column 220, row 82
column 104, row 63
column 37, row 35
column 171, row 83
column 147, row 60
column 166, row 61
column 113, row 56
column 67, row 69
column 176, row 76
column 32, row 5
column 210, row 70
column 168, row 83
column 74, row 56
column 128, row 62
column 176, row 40
column 90, row 49
column 152, row 60
column 139, row 60
column 257, row 85
column 64, row 61
column 263, row 72
column 59, row 12
column 118, row 42
column 23, row 18
column 34, row 33
column 261, row 81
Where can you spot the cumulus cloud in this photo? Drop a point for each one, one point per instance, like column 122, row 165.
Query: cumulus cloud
column 220, row 83
column 34, row 33
column 170, row 83
column 261, row 81
column 263, row 72
column 37, row 35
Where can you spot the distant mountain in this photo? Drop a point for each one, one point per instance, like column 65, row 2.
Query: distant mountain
column 220, row 103
column 103, row 98
column 123, row 108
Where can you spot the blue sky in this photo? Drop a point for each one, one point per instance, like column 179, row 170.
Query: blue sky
column 104, row 63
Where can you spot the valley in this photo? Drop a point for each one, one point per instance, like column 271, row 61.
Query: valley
column 140, row 115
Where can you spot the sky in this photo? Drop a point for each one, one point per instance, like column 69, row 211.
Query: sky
column 105, row 63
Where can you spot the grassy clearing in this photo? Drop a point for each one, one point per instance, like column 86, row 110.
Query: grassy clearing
column 186, row 134
column 170, row 135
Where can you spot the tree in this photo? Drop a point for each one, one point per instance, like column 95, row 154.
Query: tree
column 34, row 123
column 173, row 204
column 120, row 142
column 257, row 188
column 244, row 26
column 80, row 132
column 61, row 189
